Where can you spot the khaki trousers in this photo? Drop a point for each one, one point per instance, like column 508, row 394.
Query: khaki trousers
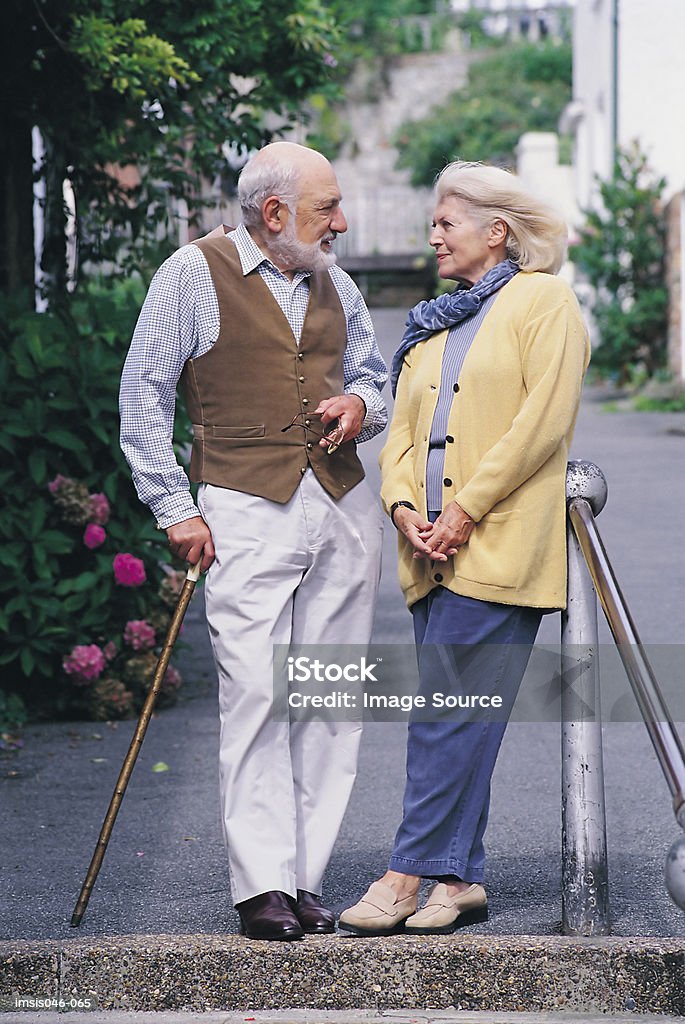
column 307, row 573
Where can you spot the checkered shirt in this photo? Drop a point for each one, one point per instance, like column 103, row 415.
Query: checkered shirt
column 180, row 321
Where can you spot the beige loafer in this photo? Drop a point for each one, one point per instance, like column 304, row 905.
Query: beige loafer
column 378, row 912
column 443, row 913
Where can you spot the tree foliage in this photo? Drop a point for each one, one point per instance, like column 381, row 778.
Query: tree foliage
column 518, row 89
column 622, row 252
column 162, row 87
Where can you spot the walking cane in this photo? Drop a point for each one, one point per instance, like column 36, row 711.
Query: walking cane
column 192, row 576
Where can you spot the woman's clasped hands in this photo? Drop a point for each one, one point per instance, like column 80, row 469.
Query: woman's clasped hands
column 437, row 541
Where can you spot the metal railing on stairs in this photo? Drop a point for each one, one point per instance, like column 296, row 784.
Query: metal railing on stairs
column 585, row 890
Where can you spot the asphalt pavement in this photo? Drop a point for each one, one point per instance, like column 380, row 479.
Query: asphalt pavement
column 165, row 870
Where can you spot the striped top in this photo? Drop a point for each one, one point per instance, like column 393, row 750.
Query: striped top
column 458, row 343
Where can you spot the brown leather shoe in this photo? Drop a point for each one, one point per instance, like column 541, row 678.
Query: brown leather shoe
column 311, row 913
column 269, row 916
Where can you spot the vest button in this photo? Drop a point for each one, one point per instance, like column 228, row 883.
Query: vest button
column 455, row 388
column 300, row 356
column 305, row 401
column 301, row 380
column 449, row 439
column 447, row 482
column 303, row 470
column 438, row 577
column 307, row 423
column 309, row 445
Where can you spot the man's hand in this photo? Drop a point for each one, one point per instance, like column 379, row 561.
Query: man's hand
column 349, row 410
column 191, row 541
column 448, row 533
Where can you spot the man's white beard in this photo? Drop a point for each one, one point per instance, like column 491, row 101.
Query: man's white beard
column 289, row 253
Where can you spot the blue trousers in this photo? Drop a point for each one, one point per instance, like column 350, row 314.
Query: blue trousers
column 464, row 647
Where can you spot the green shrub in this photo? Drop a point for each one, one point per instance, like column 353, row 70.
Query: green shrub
column 520, row 88
column 650, row 403
column 622, row 254
column 68, row 508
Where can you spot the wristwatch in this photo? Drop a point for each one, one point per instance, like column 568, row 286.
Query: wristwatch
column 399, row 504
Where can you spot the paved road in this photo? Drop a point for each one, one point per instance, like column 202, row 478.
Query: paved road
column 165, row 869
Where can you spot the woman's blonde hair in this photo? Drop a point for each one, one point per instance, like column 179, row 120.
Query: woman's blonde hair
column 537, row 236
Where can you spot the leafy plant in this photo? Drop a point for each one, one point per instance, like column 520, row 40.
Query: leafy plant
column 621, row 252
column 520, row 88
column 68, row 506
column 649, row 403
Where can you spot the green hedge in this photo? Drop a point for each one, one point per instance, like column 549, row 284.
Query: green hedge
column 68, row 509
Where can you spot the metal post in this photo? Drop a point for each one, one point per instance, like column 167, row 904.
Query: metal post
column 585, row 886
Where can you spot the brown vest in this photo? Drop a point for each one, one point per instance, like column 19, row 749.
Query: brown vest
column 255, row 379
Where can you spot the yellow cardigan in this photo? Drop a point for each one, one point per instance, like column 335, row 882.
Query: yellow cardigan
column 512, row 420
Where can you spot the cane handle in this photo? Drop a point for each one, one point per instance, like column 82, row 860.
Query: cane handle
column 193, row 573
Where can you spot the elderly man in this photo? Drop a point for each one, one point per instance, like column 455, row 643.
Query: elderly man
column 265, row 333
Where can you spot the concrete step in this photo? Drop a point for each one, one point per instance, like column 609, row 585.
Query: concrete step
column 439, row 974
column 416, row 1016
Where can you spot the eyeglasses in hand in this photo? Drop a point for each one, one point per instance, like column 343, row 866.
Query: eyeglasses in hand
column 333, row 434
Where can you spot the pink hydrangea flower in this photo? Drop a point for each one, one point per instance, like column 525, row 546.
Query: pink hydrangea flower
column 110, row 650
column 171, row 682
column 71, row 498
column 93, row 536
column 55, row 485
column 139, row 635
column 172, row 677
column 129, row 571
column 84, row 663
column 99, row 508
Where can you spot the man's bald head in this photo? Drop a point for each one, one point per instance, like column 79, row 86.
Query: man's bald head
column 290, row 203
column 289, row 154
column 281, row 169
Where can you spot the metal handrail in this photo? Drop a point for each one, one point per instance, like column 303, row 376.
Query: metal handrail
column 585, row 899
column 585, row 873
column 665, row 740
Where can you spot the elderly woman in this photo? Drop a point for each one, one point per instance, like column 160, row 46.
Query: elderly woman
column 488, row 381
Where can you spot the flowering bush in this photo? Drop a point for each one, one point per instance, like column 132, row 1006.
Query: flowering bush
column 85, row 587
column 113, row 679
